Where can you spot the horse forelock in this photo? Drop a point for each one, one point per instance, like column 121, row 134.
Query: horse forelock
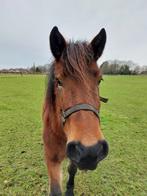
column 76, row 58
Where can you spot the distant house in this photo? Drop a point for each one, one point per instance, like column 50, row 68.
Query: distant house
column 14, row 71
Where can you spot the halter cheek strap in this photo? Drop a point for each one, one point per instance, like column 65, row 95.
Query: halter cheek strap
column 78, row 107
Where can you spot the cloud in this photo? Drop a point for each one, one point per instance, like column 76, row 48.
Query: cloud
column 25, row 27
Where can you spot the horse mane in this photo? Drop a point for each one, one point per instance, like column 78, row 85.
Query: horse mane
column 76, row 59
column 50, row 94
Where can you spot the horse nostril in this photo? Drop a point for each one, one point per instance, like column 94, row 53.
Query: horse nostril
column 104, row 148
column 73, row 151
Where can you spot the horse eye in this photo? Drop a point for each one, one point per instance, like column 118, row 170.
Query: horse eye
column 59, row 82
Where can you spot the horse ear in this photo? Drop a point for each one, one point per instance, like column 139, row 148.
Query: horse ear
column 57, row 43
column 98, row 43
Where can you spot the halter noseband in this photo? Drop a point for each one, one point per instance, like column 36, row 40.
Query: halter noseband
column 81, row 106
column 78, row 107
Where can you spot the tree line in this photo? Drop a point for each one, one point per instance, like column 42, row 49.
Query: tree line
column 122, row 68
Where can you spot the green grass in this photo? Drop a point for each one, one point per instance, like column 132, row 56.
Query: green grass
column 124, row 124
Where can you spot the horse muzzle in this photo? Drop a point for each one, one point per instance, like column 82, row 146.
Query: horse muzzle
column 87, row 158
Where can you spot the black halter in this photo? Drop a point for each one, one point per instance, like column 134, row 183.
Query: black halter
column 81, row 106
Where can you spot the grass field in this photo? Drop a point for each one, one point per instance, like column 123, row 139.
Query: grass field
column 124, row 124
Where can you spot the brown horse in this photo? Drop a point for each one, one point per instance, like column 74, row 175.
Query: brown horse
column 71, row 109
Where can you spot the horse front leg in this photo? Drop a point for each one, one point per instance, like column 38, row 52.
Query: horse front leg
column 54, row 158
column 72, row 169
column 54, row 174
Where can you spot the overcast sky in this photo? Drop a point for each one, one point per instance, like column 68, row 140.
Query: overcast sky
column 25, row 26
